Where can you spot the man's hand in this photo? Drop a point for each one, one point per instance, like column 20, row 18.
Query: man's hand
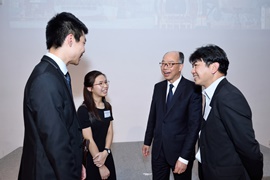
column 179, row 167
column 145, row 150
column 83, row 173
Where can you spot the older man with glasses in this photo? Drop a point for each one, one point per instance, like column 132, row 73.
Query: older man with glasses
column 174, row 121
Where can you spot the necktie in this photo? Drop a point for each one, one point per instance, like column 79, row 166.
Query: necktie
column 207, row 107
column 170, row 95
column 203, row 104
column 204, row 113
column 67, row 76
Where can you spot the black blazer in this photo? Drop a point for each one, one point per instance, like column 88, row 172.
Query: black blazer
column 52, row 140
column 176, row 129
column 227, row 143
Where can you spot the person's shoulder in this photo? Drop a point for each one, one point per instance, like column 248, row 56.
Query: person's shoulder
column 186, row 80
column 43, row 79
column 44, row 68
column 108, row 105
column 161, row 83
column 82, row 108
column 191, row 87
column 231, row 89
column 190, row 83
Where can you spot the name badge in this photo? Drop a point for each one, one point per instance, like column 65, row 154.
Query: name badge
column 107, row 113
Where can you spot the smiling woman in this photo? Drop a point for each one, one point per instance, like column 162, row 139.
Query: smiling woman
column 95, row 116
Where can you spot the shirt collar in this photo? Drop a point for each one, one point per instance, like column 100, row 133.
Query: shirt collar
column 209, row 92
column 175, row 83
column 59, row 62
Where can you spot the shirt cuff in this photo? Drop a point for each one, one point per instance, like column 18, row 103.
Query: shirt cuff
column 183, row 160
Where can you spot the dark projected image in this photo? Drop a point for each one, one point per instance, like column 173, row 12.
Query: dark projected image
column 142, row 14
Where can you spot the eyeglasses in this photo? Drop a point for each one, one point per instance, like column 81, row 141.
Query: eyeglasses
column 102, row 84
column 169, row 65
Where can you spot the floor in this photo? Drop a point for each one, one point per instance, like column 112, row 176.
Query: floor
column 130, row 165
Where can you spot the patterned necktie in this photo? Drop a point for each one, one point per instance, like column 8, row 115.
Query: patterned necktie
column 170, row 95
column 67, row 76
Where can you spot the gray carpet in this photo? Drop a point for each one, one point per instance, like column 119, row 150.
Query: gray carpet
column 130, row 165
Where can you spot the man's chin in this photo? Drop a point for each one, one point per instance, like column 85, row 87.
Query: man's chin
column 167, row 77
column 198, row 83
column 75, row 63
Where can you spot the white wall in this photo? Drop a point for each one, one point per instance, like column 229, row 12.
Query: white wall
column 127, row 47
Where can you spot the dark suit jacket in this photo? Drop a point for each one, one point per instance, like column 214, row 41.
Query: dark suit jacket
column 176, row 129
column 52, row 140
column 227, row 141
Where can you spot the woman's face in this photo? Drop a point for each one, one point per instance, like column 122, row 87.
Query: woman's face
column 100, row 86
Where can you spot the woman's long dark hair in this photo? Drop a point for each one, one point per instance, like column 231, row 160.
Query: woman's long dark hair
column 89, row 81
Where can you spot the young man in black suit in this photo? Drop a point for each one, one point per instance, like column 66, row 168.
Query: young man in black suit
column 173, row 126
column 52, row 141
column 228, row 149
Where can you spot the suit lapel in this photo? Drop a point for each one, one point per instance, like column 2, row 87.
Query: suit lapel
column 177, row 93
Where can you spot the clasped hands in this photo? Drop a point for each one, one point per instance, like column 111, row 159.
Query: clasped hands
column 99, row 160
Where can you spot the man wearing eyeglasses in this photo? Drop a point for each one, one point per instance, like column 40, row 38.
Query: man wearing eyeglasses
column 174, row 121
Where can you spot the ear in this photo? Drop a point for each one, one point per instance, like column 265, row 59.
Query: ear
column 69, row 39
column 214, row 67
column 181, row 67
column 89, row 89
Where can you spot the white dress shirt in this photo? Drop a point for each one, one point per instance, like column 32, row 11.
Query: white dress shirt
column 59, row 62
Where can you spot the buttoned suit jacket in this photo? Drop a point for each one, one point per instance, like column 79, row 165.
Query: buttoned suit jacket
column 176, row 128
column 228, row 146
column 52, row 139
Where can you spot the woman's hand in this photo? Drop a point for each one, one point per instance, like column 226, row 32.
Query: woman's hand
column 100, row 158
column 104, row 172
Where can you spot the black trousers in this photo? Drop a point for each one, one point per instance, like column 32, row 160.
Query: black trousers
column 200, row 171
column 161, row 169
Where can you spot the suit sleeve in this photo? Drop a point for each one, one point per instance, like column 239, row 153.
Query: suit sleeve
column 151, row 122
column 194, row 123
column 51, row 107
column 235, row 114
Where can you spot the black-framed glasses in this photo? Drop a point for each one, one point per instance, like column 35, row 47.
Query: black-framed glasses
column 169, row 64
column 103, row 83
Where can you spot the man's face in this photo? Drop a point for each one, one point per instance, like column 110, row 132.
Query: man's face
column 77, row 50
column 202, row 73
column 171, row 73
